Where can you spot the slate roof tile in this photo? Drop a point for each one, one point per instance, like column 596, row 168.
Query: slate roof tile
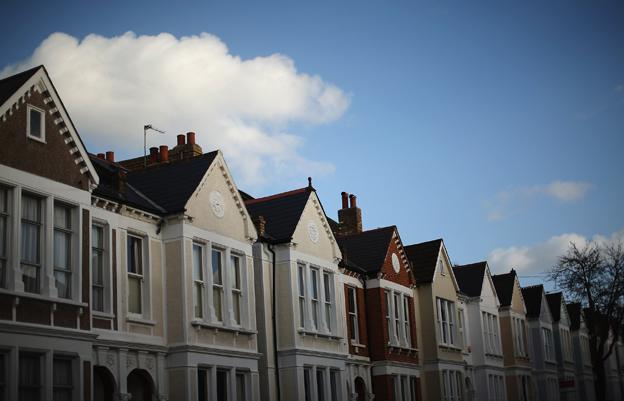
column 424, row 258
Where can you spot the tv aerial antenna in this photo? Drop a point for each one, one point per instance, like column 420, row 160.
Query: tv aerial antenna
column 148, row 127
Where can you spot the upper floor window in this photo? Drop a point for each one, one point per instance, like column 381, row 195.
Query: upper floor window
column 31, row 223
column 198, row 280
column 549, row 351
column 217, row 283
column 387, row 298
column 398, row 319
column 461, row 326
column 5, row 219
column 446, row 321
column 314, row 295
column 519, row 332
column 406, row 321
column 35, row 123
column 353, row 315
column 135, row 274
column 327, row 299
column 490, row 333
column 302, row 300
column 63, row 250
column 316, row 300
column 99, row 267
column 236, row 287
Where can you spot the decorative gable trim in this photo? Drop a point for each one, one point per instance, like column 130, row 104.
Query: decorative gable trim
column 517, row 286
column 316, row 202
column 40, row 82
column 444, row 254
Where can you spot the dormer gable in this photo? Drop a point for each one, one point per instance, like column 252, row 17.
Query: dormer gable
column 37, row 134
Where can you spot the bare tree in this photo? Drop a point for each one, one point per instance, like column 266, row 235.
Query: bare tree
column 593, row 275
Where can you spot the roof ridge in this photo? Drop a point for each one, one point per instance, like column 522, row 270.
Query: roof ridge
column 368, row 231
column 276, row 196
column 148, row 199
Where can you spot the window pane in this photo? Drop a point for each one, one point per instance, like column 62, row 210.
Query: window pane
column 198, row 274
column 62, row 250
column 236, row 300
column 222, row 394
column 30, row 243
column 314, row 284
column 216, row 297
column 328, row 284
column 202, row 385
column 30, row 208
column 30, row 278
column 236, row 277
column 98, row 299
column 35, row 123
column 301, row 269
column 352, row 300
column 135, row 255
column 217, row 269
column 63, row 284
column 240, row 387
column 307, row 385
column 62, row 372
column 62, row 217
column 29, row 377
column 134, row 294
column 197, row 299
column 320, row 385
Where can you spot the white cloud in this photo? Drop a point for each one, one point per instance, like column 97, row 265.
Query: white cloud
column 510, row 201
column 113, row 86
column 539, row 258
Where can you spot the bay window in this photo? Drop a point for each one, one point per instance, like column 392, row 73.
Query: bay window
column 31, row 228
column 30, row 384
column 62, row 379
column 135, row 274
column 5, row 219
column 217, row 283
column 63, row 250
column 236, row 287
column 98, row 267
column 198, row 280
column 316, row 300
column 451, row 385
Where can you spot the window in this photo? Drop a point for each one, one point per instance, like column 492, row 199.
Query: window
column 30, row 384
column 63, row 250
column 202, row 384
column 353, row 315
column 97, row 267
column 302, row 300
column 388, row 315
column 35, row 124
column 446, row 321
column 495, row 388
column 461, row 326
column 4, row 234
column 135, row 274
column 241, row 394
column 525, row 390
column 198, row 280
column 334, row 377
column 62, row 379
column 566, row 344
column 217, row 283
column 222, row 385
column 236, row 287
column 314, row 296
column 31, row 243
column 548, row 344
column 307, row 383
column 490, row 333
column 406, row 321
column 451, row 384
column 3, row 381
column 397, row 315
column 327, row 289
column 519, row 336
column 320, row 384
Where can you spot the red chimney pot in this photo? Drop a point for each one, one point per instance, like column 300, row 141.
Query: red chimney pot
column 154, row 154
column 164, row 153
column 345, row 200
column 353, row 200
column 101, row 156
column 181, row 139
column 110, row 156
column 190, row 138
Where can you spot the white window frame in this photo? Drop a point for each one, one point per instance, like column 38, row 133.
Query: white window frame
column 142, row 277
column 353, row 315
column 319, row 313
column 199, row 280
column 451, row 384
column 302, row 288
column 461, row 327
column 548, row 344
column 446, row 312
column 236, row 290
column 41, row 235
column 219, row 315
column 67, row 231
column 105, row 267
column 29, row 108
column 6, row 217
column 314, row 291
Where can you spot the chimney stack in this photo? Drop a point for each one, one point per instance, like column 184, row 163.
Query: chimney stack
column 345, row 200
column 181, row 139
column 101, row 156
column 260, row 224
column 164, row 153
column 190, row 138
column 154, row 155
column 350, row 216
column 110, row 156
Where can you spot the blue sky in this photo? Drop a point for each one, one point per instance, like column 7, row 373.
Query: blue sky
column 497, row 126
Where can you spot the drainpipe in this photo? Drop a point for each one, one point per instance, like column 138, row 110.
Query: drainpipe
column 274, row 321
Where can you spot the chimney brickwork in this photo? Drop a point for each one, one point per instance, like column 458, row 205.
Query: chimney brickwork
column 350, row 216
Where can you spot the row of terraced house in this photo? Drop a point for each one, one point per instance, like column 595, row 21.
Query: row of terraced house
column 156, row 278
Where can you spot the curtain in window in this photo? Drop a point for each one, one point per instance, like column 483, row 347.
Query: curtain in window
column 240, row 387
column 62, row 379
column 29, row 378
column 97, row 266
column 30, row 243
column 35, row 123
column 134, row 294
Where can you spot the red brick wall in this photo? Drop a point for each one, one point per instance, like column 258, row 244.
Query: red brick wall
column 51, row 159
column 403, row 277
column 383, row 388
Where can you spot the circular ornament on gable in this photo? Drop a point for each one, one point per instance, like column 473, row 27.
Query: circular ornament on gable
column 396, row 265
column 216, row 203
column 313, row 232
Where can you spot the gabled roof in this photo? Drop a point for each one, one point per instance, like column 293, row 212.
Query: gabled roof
column 424, row 259
column 504, row 284
column 533, row 299
column 109, row 188
column 574, row 311
column 554, row 303
column 368, row 249
column 281, row 212
column 470, row 278
column 9, row 85
column 171, row 185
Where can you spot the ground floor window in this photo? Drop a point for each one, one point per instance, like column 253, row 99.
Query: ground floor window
column 3, row 370
column 451, row 383
column 496, row 388
column 223, row 384
column 321, row 383
column 62, row 379
column 29, row 380
column 405, row 388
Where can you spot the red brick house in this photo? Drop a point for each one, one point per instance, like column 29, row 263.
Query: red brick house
column 386, row 319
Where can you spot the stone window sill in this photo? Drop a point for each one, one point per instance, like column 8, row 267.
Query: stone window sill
column 216, row 327
column 304, row 332
column 140, row 320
